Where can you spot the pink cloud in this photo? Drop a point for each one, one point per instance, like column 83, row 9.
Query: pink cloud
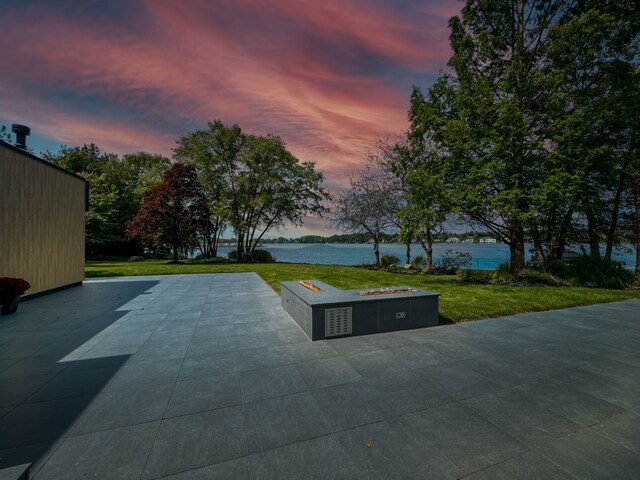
column 329, row 77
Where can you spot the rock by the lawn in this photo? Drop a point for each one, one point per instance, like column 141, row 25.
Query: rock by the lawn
column 135, row 258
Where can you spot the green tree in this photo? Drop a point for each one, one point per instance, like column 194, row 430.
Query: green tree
column 217, row 154
column 144, row 170
column 5, row 136
column 116, row 188
column 252, row 183
column 495, row 134
column 421, row 162
column 537, row 124
column 593, row 57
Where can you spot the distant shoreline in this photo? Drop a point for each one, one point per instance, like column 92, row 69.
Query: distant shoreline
column 485, row 256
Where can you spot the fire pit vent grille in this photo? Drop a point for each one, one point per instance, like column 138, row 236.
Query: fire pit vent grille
column 337, row 321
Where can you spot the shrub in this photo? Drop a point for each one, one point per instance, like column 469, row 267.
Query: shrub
column 389, row 261
column 210, row 260
column 560, row 269
column 503, row 267
column 537, row 277
column 474, row 276
column 501, row 278
column 418, row 261
column 262, row 256
column 157, row 256
column 598, row 272
column 454, row 260
column 438, row 270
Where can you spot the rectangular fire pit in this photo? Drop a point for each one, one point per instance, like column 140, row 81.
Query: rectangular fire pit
column 323, row 311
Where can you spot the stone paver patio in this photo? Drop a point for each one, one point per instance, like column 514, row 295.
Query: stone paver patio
column 205, row 376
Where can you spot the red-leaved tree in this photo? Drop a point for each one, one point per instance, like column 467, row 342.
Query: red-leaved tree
column 172, row 212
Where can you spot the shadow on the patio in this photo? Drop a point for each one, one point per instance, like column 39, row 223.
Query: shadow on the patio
column 52, row 364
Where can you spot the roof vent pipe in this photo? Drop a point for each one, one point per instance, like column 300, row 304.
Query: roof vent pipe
column 21, row 132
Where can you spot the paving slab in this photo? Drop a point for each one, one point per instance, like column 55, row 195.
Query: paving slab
column 111, row 410
column 206, row 376
column 527, row 466
column 352, row 404
column 395, row 449
column 279, row 421
column 622, row 429
column 122, row 452
column 193, row 441
column 529, row 422
column 270, row 382
column 467, row 439
column 588, row 455
column 317, row 459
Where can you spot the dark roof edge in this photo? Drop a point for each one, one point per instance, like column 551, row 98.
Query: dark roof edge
column 38, row 159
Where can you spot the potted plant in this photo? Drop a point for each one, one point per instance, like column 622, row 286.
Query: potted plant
column 10, row 291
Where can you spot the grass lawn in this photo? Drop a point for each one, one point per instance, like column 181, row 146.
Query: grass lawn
column 458, row 301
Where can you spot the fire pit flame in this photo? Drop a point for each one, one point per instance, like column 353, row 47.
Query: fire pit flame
column 309, row 285
column 384, row 291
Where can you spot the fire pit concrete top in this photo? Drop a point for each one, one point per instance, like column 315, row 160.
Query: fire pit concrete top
column 327, row 295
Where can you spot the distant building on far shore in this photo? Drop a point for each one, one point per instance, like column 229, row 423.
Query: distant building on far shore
column 468, row 240
column 488, row 240
column 453, row 240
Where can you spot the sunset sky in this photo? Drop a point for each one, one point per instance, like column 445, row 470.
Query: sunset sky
column 328, row 76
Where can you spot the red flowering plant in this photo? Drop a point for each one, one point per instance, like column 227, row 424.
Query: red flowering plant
column 10, row 288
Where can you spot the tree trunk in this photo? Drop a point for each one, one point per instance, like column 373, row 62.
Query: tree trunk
column 175, row 252
column 592, row 231
column 427, row 246
column 214, row 244
column 634, row 172
column 376, row 250
column 240, row 246
column 408, row 250
column 611, row 235
column 538, row 248
column 516, row 249
column 558, row 252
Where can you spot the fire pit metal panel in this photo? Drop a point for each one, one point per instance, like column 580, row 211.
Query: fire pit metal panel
column 378, row 313
column 337, row 321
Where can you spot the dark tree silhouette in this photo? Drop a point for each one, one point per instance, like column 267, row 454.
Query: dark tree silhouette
column 172, row 212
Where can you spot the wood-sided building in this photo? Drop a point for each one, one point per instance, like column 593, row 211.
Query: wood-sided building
column 42, row 208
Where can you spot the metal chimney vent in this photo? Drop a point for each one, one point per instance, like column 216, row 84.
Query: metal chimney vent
column 337, row 321
column 21, row 132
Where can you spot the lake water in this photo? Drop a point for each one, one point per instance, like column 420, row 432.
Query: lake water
column 483, row 255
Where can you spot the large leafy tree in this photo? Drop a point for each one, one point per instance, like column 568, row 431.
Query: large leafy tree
column 172, row 213
column 116, row 187
column 534, row 125
column 143, row 170
column 593, row 57
column 252, row 183
column 495, row 134
column 421, row 162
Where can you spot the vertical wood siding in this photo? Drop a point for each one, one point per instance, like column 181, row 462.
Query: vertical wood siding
column 41, row 223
